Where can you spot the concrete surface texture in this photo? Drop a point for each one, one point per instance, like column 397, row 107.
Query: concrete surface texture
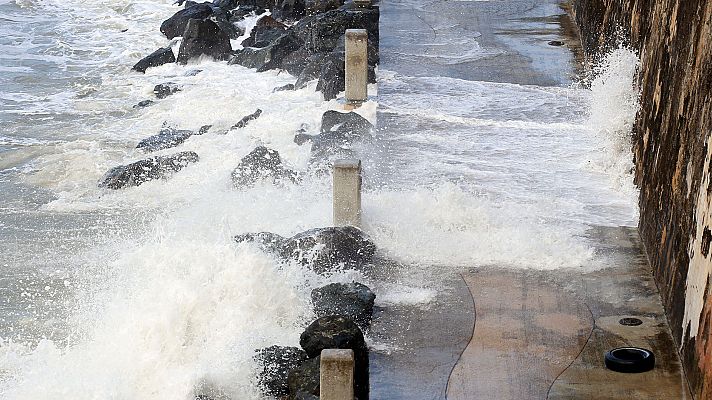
column 503, row 333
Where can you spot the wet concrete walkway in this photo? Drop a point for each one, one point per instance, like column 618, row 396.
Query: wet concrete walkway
column 502, row 333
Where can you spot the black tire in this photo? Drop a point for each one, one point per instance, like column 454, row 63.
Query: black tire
column 630, row 360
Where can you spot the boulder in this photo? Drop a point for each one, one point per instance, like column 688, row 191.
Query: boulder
column 304, row 380
column 351, row 300
column 323, row 249
column 320, row 249
column 243, row 10
column 275, row 362
column 260, row 164
column 143, row 103
column 289, row 10
column 321, row 6
column 203, row 37
column 338, row 332
column 246, row 120
column 166, row 138
column 332, row 80
column 350, row 122
column 287, row 87
column 161, row 56
column 266, row 30
column 296, row 61
column 226, row 5
column 268, row 57
column 139, row 172
column 267, row 241
column 321, row 32
column 175, row 25
column 311, row 70
column 164, row 90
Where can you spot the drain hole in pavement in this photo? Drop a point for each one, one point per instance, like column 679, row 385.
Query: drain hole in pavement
column 630, row 321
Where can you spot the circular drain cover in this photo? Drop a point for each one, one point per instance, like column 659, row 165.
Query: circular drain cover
column 630, row 360
column 630, row 321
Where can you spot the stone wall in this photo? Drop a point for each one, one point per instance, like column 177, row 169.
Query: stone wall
column 672, row 154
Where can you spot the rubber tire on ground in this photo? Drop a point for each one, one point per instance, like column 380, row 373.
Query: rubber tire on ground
column 630, row 360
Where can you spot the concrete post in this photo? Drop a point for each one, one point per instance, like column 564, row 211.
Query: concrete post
column 336, row 379
column 356, row 68
column 347, row 193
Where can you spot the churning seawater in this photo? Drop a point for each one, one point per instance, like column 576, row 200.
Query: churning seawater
column 142, row 294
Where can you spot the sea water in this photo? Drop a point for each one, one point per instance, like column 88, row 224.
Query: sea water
column 142, row 294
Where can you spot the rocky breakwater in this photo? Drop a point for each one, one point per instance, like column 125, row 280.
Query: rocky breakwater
column 303, row 37
column 673, row 154
column 306, row 39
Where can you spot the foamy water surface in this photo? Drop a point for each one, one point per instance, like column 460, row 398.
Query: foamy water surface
column 142, row 294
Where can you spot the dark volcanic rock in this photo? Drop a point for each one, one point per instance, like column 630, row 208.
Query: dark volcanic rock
column 321, row 249
column 144, row 103
column 203, row 37
column 275, row 363
column 287, row 87
column 175, row 25
column 350, row 122
column 266, row 30
column 337, row 130
column 166, row 138
column 139, row 172
column 311, row 70
column 261, row 163
column 244, row 10
column 304, row 380
column 268, row 57
column 246, row 119
column 289, row 10
column 321, row 32
column 350, row 300
column 321, row 6
column 337, row 332
column 332, row 79
column 159, row 57
column 268, row 241
column 164, row 90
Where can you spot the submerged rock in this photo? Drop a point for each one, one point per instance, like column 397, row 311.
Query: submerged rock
column 351, row 300
column 260, row 164
column 275, row 362
column 246, row 120
column 203, row 37
column 289, row 86
column 161, row 56
column 303, row 381
column 139, row 172
column 349, row 122
column 338, row 132
column 321, row 249
column 164, row 90
column 142, row 104
column 337, row 332
column 166, row 138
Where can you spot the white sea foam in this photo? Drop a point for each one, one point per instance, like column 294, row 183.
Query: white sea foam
column 168, row 306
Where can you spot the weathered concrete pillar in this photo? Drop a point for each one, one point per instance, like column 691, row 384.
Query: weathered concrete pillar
column 356, row 68
column 347, row 193
column 336, row 379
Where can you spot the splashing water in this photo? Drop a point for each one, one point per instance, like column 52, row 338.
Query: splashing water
column 157, row 302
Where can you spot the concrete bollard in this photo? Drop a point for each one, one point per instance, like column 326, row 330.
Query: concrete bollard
column 336, row 376
column 356, row 68
column 347, row 193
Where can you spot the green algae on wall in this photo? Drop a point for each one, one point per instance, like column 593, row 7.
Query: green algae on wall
column 672, row 149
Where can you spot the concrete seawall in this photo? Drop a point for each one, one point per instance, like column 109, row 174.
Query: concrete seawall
column 672, row 154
